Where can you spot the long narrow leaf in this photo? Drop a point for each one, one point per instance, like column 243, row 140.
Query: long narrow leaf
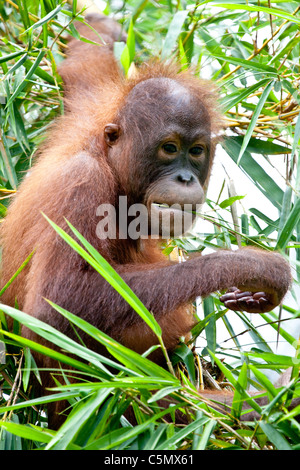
column 254, row 118
column 231, row 100
column 27, row 76
column 27, row 432
column 255, row 172
column 180, row 435
column 274, row 436
column 256, row 8
column 205, row 435
column 289, row 227
column 237, row 403
column 45, row 19
column 76, row 420
column 236, row 384
column 59, row 339
column 249, row 64
column 115, row 438
column 124, row 354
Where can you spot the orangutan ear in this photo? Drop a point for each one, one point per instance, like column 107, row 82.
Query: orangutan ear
column 111, row 133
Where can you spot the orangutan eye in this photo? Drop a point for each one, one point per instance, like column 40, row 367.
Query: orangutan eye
column 169, row 148
column 196, row 151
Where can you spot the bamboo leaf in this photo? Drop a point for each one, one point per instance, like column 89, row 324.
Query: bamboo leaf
column 242, row 392
column 8, row 163
column 242, row 380
column 296, row 136
column 125, row 355
column 231, row 100
column 255, row 172
column 115, row 438
column 173, row 33
column 229, row 201
column 248, row 64
column 131, row 42
column 263, row 147
column 27, row 432
column 270, row 11
column 180, row 435
column 13, row 55
column 274, row 436
column 76, row 420
column 289, row 226
column 45, row 19
column 206, row 433
column 254, row 118
column 27, row 76
column 105, row 269
column 56, row 337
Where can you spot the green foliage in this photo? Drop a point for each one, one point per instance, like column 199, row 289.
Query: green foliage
column 251, row 50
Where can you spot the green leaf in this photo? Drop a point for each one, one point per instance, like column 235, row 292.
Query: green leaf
column 270, row 11
column 210, row 328
column 286, row 50
column 254, row 118
column 104, row 268
column 76, row 420
column 10, row 281
column 131, row 42
column 24, row 12
column 27, row 76
column 229, row 201
column 296, row 136
column 41, row 73
column 125, row 355
column 182, row 56
column 213, row 46
column 205, row 435
column 17, row 64
column 53, row 397
column 289, row 227
column 183, row 433
column 59, row 339
column 9, row 169
column 45, row 19
column 254, row 332
column 125, row 59
column 230, row 377
column 13, row 55
column 237, row 403
column 138, row 8
column 255, row 172
column 163, row 393
column 185, row 354
column 18, row 127
column 231, row 100
column 27, row 432
column 173, row 33
column 274, row 436
column 262, row 147
column 116, row 437
column 248, row 64
column 264, row 381
column 279, row 360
